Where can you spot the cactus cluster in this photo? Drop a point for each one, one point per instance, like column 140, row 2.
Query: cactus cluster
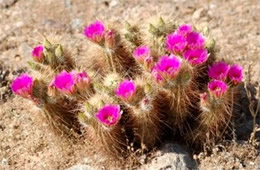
column 157, row 80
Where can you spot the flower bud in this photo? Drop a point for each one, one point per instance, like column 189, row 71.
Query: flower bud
column 210, row 44
column 47, row 45
column 153, row 30
column 110, row 39
column 142, row 54
column 161, row 22
column 37, row 53
column 82, row 81
column 59, row 51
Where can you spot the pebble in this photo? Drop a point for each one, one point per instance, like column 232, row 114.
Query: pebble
column 212, row 6
column 113, row 3
column 53, row 24
column 251, row 163
column 25, row 50
column 7, row 3
column 4, row 162
column 199, row 13
column 81, row 167
column 76, row 23
column 19, row 24
column 171, row 156
column 67, row 3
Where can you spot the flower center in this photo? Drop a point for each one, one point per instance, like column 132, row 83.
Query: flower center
column 109, row 118
column 218, row 89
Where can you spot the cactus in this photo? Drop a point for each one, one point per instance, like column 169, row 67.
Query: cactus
column 217, row 104
column 157, row 79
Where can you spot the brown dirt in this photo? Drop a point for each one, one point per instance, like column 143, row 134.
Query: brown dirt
column 231, row 156
column 26, row 142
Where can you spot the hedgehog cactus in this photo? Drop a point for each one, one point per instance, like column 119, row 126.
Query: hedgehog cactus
column 217, row 104
column 155, row 78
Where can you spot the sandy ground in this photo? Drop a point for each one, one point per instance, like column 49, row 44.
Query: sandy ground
column 26, row 142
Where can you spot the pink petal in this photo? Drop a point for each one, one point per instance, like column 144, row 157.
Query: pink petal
column 235, row 73
column 217, row 87
column 95, row 31
column 219, row 70
column 23, row 85
column 109, row 114
column 126, row 89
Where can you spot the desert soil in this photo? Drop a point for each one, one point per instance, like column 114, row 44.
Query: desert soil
column 26, row 141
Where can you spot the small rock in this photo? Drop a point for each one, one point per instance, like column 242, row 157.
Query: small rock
column 4, row 162
column 19, row 24
column 113, row 3
column 81, row 167
column 67, row 3
column 171, row 157
column 2, row 128
column 17, row 57
column 53, row 24
column 75, row 23
column 199, row 13
column 212, row 6
column 7, row 3
column 25, row 50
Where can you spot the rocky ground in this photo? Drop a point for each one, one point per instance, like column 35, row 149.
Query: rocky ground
column 26, row 142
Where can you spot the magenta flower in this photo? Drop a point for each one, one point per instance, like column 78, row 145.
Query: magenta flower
column 184, row 30
column 68, row 83
column 82, row 80
column 168, row 66
column 110, row 39
column 142, row 53
column 37, row 53
column 126, row 90
column 196, row 56
column 235, row 74
column 219, row 70
column 65, row 82
column 23, row 85
column 109, row 114
column 158, row 78
column 148, row 63
column 203, row 96
column 217, row 87
column 203, row 99
column 175, row 43
column 195, row 40
column 95, row 31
